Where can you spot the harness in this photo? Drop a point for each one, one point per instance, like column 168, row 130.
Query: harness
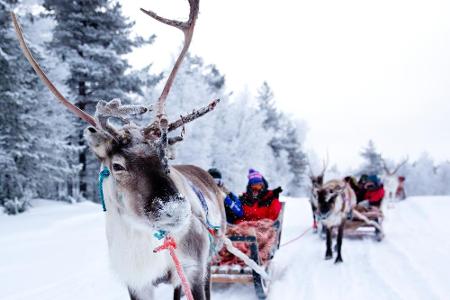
column 211, row 228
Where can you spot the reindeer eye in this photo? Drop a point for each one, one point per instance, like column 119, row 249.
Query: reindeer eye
column 118, row 167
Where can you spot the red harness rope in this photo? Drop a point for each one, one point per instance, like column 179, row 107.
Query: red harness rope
column 297, row 238
column 169, row 244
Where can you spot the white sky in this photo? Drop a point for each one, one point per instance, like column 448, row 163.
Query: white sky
column 354, row 70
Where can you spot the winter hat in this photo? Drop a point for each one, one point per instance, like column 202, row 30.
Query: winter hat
column 254, row 177
column 215, row 173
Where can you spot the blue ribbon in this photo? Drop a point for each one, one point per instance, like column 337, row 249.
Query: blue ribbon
column 160, row 234
column 101, row 176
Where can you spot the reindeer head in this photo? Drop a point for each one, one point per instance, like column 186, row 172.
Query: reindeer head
column 137, row 157
column 326, row 194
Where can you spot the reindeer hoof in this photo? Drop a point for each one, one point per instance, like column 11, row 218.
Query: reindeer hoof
column 338, row 260
column 328, row 255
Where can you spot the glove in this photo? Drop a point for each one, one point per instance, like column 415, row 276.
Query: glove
column 234, row 204
column 277, row 191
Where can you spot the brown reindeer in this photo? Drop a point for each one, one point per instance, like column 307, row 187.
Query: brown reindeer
column 144, row 195
column 331, row 202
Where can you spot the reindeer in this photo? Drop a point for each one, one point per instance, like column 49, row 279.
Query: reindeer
column 333, row 200
column 391, row 180
column 143, row 194
column 316, row 181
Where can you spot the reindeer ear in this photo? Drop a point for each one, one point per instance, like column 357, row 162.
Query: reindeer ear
column 99, row 141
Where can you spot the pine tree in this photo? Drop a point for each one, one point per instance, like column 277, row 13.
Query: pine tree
column 373, row 163
column 17, row 98
column 31, row 152
column 91, row 37
column 292, row 144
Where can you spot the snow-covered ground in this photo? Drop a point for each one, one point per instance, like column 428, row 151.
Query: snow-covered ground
column 58, row 251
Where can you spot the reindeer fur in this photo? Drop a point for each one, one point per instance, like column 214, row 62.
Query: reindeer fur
column 333, row 200
column 131, row 240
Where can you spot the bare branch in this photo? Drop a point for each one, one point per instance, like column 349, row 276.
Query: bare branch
column 83, row 115
column 193, row 115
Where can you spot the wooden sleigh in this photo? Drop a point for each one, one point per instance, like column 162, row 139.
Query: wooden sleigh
column 243, row 274
column 364, row 223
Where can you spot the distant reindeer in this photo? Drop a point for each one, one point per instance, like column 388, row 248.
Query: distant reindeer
column 143, row 194
column 316, row 180
column 391, row 180
column 333, row 200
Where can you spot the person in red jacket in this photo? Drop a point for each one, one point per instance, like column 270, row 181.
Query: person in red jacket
column 372, row 190
column 258, row 202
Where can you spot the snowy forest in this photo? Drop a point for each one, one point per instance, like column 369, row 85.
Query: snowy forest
column 82, row 48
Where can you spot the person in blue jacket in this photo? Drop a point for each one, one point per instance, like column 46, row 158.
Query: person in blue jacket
column 233, row 206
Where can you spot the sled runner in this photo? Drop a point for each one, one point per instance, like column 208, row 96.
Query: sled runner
column 261, row 247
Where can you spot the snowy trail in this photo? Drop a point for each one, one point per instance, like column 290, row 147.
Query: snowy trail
column 58, row 251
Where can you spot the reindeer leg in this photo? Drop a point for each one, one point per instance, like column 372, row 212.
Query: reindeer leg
column 208, row 283
column 339, row 243
column 329, row 253
column 313, row 208
column 198, row 291
column 177, row 293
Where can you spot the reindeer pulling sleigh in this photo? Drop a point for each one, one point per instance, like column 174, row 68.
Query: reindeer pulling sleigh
column 335, row 213
column 145, row 197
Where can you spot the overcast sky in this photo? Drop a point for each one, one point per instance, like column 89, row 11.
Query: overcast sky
column 353, row 70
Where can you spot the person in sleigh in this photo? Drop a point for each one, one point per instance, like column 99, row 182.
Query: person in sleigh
column 258, row 202
column 371, row 191
column 233, row 206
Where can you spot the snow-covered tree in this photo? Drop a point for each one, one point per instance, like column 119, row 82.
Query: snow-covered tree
column 296, row 157
column 191, row 90
column 32, row 147
column 421, row 177
column 240, row 142
column 91, row 38
column 286, row 142
column 373, row 164
column 443, row 179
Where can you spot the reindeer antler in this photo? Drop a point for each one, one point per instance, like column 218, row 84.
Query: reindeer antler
column 188, row 29
column 400, row 165
column 114, row 109
column 385, row 167
column 161, row 126
column 80, row 113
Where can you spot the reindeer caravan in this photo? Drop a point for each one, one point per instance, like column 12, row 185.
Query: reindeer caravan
column 151, row 206
column 346, row 208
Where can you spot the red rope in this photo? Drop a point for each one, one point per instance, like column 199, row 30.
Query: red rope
column 297, row 238
column 169, row 244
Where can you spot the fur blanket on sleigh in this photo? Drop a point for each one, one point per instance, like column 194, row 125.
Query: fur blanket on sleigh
column 265, row 233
